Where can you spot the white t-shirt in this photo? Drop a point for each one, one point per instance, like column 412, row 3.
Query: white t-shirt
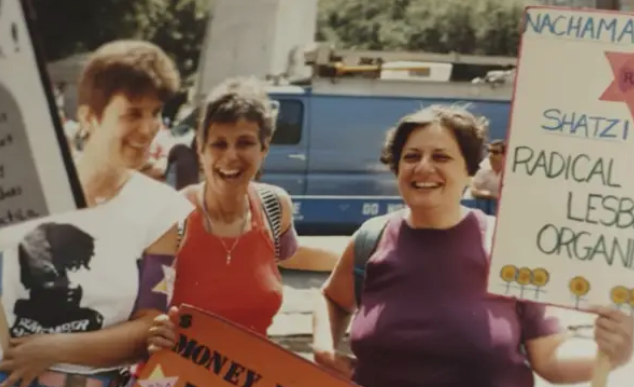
column 79, row 271
column 487, row 179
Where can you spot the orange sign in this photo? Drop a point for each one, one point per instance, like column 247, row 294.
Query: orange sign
column 213, row 352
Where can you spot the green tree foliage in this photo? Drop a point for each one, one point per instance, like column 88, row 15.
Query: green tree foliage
column 180, row 31
column 486, row 27
column 68, row 27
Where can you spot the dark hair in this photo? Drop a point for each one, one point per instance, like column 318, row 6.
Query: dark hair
column 135, row 68
column 468, row 130
column 235, row 99
column 183, row 160
column 499, row 143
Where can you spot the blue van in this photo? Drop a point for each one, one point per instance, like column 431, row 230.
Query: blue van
column 326, row 147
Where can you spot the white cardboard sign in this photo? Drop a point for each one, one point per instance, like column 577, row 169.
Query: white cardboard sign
column 565, row 227
column 37, row 174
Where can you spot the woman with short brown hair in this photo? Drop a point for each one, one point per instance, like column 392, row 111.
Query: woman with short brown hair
column 424, row 317
column 84, row 320
column 241, row 229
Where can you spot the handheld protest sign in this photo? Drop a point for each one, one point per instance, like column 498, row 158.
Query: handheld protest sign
column 566, row 213
column 37, row 174
column 213, row 352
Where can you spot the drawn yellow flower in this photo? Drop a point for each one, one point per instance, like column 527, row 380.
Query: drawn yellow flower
column 632, row 297
column 508, row 273
column 579, row 286
column 620, row 295
column 540, row 277
column 524, row 276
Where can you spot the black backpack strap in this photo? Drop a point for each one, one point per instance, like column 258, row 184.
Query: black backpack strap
column 272, row 212
column 366, row 239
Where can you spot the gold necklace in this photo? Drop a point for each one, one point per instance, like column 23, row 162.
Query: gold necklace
column 209, row 222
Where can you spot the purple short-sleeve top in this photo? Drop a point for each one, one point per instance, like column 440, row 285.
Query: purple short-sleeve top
column 426, row 318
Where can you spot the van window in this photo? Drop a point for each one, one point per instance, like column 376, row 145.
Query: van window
column 290, row 120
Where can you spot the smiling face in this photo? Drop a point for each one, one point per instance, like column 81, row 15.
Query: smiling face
column 126, row 128
column 232, row 156
column 432, row 172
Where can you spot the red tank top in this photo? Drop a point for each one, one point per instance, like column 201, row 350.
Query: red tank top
column 248, row 289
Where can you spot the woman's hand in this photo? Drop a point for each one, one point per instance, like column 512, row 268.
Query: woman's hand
column 336, row 361
column 162, row 334
column 29, row 357
column 614, row 334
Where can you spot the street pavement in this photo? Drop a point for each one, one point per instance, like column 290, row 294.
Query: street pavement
column 292, row 327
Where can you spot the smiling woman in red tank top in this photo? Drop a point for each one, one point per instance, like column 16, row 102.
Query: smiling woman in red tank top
column 228, row 257
column 247, row 286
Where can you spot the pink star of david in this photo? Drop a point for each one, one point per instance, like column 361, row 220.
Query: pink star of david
column 622, row 87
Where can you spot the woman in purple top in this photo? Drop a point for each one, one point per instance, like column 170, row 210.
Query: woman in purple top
column 425, row 317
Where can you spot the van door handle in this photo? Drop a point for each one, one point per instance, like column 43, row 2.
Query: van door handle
column 298, row 156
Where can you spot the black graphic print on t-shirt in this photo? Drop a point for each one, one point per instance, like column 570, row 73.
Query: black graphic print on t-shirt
column 46, row 255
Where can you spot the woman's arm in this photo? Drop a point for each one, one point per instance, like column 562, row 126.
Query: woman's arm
column 124, row 342
column 333, row 309
column 554, row 362
column 331, row 316
column 109, row 347
column 293, row 255
column 554, row 359
column 30, row 356
column 311, row 259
